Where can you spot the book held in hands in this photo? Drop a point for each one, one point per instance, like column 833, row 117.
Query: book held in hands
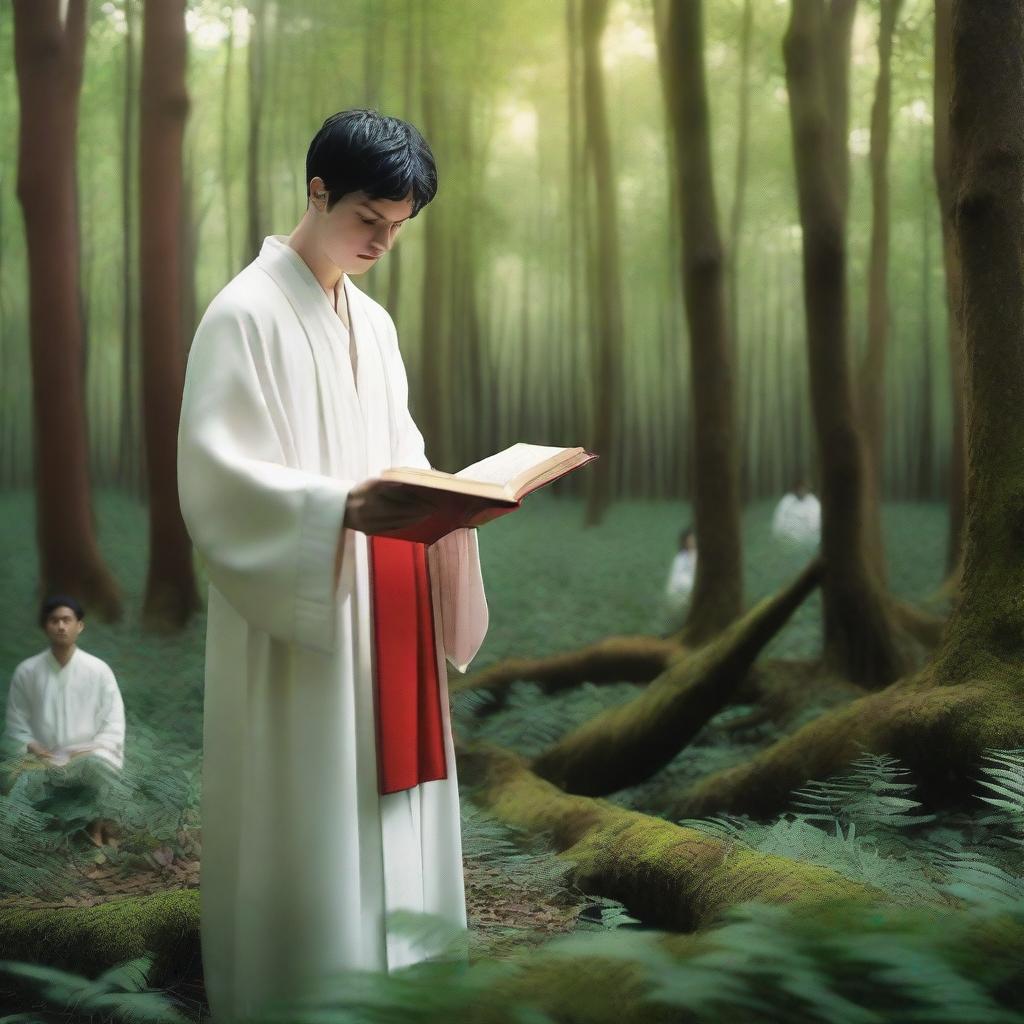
column 485, row 490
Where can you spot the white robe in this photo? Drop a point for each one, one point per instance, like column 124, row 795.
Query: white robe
column 681, row 575
column 67, row 706
column 797, row 519
column 302, row 858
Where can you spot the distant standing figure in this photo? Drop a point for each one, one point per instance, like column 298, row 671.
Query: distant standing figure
column 797, row 516
column 64, row 704
column 680, row 578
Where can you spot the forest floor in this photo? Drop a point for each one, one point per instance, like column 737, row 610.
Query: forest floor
column 615, row 575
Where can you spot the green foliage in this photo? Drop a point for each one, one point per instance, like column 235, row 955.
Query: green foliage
column 119, row 994
column 867, row 794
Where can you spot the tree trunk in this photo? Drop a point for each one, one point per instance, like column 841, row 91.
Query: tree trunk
column 718, row 590
column 872, row 384
column 951, row 260
column 987, row 137
column 129, row 448
column 227, row 170
column 257, row 74
column 740, row 179
column 49, row 58
column 434, row 419
column 171, row 594
column 606, row 295
column 859, row 637
column 925, row 460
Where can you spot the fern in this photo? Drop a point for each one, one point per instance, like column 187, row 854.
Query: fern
column 867, row 794
column 119, row 992
column 1010, row 784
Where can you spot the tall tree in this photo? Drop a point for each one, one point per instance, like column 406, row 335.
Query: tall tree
column 257, row 88
column 129, row 461
column 740, row 174
column 924, row 462
column 951, row 261
column 227, row 174
column 49, row 55
column 872, row 381
column 718, row 589
column 987, row 149
column 605, row 282
column 859, row 636
column 435, row 422
column 171, row 594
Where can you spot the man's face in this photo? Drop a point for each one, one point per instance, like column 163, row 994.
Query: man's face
column 62, row 627
column 358, row 230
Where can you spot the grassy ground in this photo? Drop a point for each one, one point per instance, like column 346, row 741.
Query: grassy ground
column 551, row 586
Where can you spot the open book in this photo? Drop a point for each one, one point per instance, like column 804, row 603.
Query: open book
column 485, row 490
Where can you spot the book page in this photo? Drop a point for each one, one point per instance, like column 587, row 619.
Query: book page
column 513, row 462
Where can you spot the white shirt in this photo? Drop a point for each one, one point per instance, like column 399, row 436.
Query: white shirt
column 798, row 519
column 67, row 707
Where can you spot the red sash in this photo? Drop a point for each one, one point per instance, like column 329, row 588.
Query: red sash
column 410, row 732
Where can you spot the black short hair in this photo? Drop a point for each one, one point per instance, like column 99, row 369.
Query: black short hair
column 363, row 151
column 54, row 601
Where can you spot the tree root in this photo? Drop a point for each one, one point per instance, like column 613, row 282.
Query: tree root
column 938, row 730
column 627, row 744
column 615, row 659
column 665, row 875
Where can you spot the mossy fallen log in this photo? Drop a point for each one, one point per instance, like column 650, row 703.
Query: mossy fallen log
column 89, row 940
column 666, row 875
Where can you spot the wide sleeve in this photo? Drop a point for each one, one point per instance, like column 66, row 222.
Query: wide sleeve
column 267, row 532
column 18, row 728
column 110, row 718
column 454, row 560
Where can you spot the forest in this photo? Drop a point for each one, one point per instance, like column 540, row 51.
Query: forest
column 754, row 255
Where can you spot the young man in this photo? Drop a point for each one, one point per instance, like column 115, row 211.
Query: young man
column 324, row 805
column 64, row 704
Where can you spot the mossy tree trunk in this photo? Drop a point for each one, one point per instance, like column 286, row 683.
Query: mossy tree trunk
column 860, row 638
column 718, row 589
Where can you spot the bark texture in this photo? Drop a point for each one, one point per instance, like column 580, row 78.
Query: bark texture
column 718, row 590
column 171, row 595
column 860, row 638
column 49, row 55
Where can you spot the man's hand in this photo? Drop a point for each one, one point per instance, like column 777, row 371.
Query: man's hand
column 379, row 506
column 39, row 750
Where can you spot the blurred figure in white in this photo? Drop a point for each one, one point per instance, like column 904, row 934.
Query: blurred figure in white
column 680, row 580
column 64, row 706
column 797, row 518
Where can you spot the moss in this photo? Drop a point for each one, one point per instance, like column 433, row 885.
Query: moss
column 667, row 875
column 936, row 724
column 88, row 940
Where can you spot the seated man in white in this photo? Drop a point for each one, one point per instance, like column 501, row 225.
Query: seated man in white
column 64, row 703
column 797, row 517
column 680, row 579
